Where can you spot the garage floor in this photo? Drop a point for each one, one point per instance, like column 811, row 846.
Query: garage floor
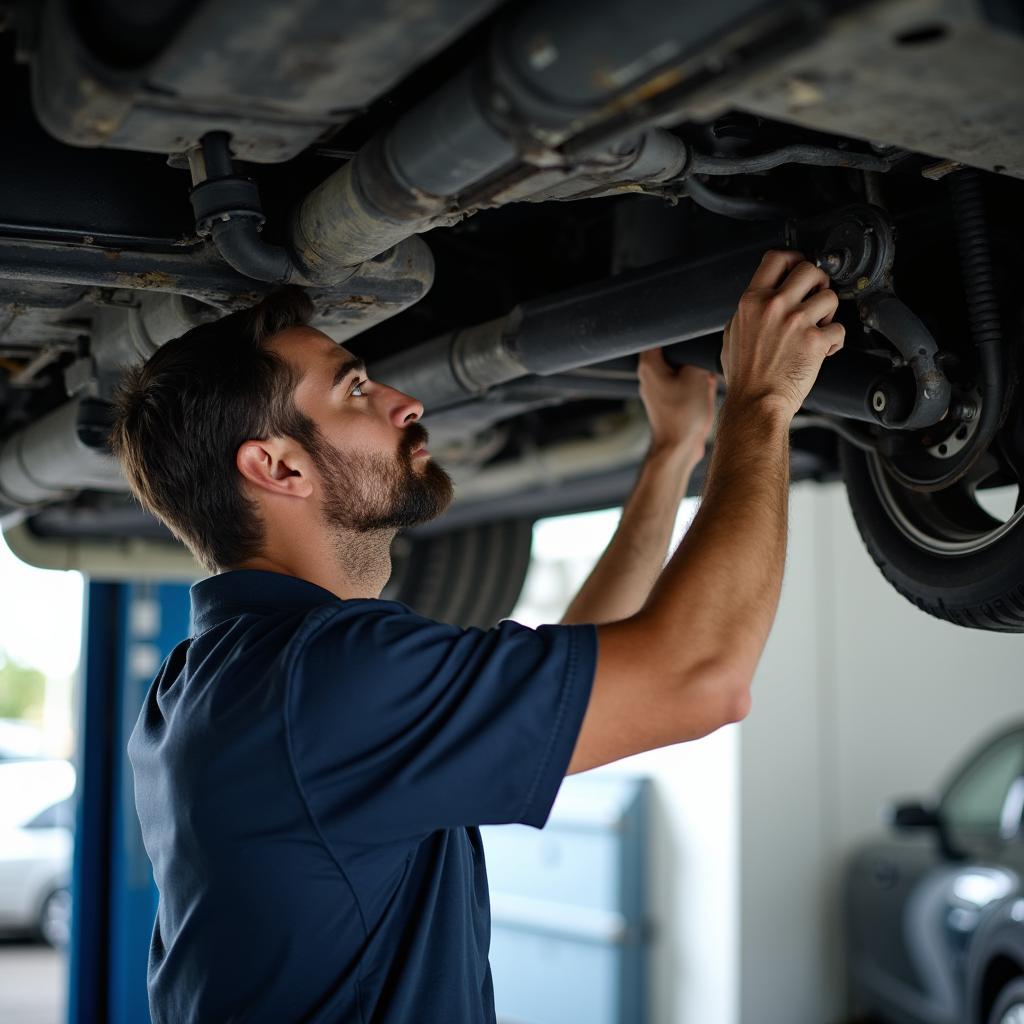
column 33, row 983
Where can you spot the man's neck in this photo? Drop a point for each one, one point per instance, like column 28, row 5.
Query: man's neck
column 347, row 563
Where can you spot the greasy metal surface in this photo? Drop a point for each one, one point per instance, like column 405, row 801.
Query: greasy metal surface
column 843, row 387
column 278, row 73
column 657, row 156
column 657, row 305
column 199, row 271
column 337, row 226
column 380, row 289
column 953, row 91
column 48, row 460
column 461, row 136
column 891, row 318
column 448, row 142
column 560, row 68
column 672, row 301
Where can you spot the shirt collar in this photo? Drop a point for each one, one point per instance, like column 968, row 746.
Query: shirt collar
column 244, row 591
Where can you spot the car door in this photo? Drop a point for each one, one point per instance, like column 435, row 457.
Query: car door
column 981, row 811
column 36, row 818
column 915, row 901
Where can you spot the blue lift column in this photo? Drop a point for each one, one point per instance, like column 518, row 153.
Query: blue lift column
column 129, row 629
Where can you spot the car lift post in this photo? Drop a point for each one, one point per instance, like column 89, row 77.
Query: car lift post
column 128, row 629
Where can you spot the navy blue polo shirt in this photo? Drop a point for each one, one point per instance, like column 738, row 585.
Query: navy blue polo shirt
column 309, row 775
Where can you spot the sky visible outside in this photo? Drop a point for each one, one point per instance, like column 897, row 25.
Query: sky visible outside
column 40, row 615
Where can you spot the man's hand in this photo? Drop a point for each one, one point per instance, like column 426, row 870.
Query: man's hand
column 781, row 333
column 680, row 404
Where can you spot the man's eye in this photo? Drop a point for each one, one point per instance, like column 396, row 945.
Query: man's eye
column 358, row 386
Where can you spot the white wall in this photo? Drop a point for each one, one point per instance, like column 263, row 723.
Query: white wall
column 694, row 846
column 693, row 871
column 860, row 698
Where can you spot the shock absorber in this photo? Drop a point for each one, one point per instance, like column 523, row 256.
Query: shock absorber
column 982, row 307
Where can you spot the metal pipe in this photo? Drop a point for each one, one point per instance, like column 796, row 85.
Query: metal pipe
column 844, row 386
column 549, row 76
column 373, row 292
column 238, row 240
column 740, row 207
column 815, row 156
column 227, row 209
column 622, row 315
column 51, row 459
column 679, row 306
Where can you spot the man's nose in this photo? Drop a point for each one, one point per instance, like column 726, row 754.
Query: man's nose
column 404, row 408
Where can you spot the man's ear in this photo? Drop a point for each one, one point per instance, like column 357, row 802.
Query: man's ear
column 278, row 465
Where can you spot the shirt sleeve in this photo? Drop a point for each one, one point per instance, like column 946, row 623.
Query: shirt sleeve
column 399, row 725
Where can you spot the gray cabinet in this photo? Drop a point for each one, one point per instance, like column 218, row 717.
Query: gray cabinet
column 568, row 936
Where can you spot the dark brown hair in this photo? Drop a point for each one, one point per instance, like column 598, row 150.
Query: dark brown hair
column 181, row 417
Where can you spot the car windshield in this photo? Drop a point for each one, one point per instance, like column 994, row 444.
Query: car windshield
column 976, row 799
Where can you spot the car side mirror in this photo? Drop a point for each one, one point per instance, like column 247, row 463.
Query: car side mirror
column 914, row 815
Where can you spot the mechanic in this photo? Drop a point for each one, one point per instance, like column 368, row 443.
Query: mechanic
column 311, row 765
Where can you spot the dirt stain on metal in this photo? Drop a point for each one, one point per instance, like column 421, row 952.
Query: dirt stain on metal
column 155, row 279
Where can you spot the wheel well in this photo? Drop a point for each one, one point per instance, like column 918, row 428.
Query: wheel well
column 1002, row 970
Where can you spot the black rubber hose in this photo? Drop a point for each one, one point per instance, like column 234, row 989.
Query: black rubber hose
column 227, row 206
column 239, row 242
column 739, row 207
column 982, row 304
column 816, row 156
column 216, row 148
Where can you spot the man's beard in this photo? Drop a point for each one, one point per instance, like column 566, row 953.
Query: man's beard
column 364, row 492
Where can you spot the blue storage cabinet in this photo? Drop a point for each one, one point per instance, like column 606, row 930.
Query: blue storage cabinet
column 568, row 926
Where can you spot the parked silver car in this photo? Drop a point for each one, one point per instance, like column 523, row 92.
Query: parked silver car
column 37, row 820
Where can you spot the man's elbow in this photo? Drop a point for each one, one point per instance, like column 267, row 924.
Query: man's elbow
column 739, row 706
column 731, row 685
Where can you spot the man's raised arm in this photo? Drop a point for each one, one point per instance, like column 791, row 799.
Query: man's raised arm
column 681, row 667
column 680, row 406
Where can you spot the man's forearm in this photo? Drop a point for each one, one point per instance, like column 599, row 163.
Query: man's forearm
column 723, row 582
column 621, row 581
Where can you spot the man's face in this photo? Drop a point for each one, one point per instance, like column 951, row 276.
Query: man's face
column 371, row 478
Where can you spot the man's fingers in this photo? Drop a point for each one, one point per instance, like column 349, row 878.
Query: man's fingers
column 654, row 359
column 775, row 265
column 834, row 335
column 821, row 306
column 803, row 279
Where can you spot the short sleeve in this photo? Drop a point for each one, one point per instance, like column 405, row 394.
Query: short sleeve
column 399, row 725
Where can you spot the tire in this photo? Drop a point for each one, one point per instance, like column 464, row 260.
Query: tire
column 976, row 581
column 1009, row 1005
column 53, row 925
column 467, row 577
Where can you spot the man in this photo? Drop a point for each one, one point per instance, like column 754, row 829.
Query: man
column 311, row 765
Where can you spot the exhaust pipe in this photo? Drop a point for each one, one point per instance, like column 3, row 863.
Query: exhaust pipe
column 56, row 456
column 680, row 306
column 555, row 91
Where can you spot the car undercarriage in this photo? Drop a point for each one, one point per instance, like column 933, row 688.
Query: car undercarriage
column 498, row 206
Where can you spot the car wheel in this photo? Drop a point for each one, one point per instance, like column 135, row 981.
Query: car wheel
column 944, row 550
column 54, row 924
column 467, row 577
column 1009, row 1005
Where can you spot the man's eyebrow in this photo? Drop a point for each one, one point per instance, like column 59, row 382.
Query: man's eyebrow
column 346, row 368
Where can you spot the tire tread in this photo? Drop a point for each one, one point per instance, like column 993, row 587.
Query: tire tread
column 1002, row 614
